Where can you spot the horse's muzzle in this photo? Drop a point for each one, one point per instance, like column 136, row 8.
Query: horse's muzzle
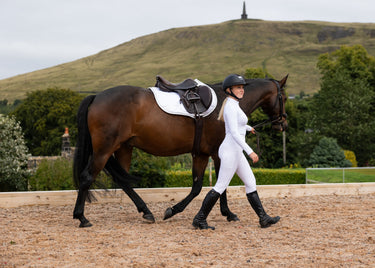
column 281, row 124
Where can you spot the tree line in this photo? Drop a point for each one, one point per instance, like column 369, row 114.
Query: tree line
column 324, row 129
column 343, row 110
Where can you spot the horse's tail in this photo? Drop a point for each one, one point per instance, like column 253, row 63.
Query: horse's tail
column 83, row 151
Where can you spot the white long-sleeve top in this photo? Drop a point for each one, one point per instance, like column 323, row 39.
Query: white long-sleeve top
column 236, row 126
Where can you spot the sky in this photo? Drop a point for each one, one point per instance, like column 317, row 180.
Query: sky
column 37, row 34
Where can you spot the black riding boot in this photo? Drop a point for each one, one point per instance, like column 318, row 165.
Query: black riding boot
column 208, row 203
column 264, row 220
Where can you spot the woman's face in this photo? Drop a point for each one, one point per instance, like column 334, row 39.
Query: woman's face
column 238, row 90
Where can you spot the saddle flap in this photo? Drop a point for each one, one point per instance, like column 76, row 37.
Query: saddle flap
column 205, row 95
column 197, row 100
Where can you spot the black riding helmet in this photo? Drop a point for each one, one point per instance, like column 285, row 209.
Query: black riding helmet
column 232, row 80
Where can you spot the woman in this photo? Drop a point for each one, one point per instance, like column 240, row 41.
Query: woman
column 232, row 157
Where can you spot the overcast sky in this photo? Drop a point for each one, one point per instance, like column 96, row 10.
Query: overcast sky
column 36, row 34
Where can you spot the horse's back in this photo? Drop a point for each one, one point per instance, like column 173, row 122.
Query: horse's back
column 118, row 103
column 120, row 93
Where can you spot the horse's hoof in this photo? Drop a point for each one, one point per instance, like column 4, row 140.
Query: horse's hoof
column 168, row 213
column 85, row 224
column 149, row 217
column 232, row 217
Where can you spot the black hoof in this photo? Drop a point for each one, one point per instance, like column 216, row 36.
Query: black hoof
column 85, row 224
column 149, row 217
column 168, row 213
column 232, row 217
column 201, row 224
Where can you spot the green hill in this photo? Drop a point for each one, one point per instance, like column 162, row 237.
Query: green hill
column 208, row 53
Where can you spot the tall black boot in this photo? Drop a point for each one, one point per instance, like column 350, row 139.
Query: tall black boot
column 264, row 220
column 208, row 203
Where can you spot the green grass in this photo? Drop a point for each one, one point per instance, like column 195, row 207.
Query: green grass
column 208, row 52
column 340, row 176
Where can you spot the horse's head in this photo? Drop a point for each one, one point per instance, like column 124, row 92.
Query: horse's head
column 275, row 106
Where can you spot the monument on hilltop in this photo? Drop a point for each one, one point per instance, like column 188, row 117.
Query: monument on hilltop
column 244, row 15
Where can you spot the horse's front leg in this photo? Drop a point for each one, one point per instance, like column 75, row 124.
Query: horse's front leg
column 123, row 179
column 224, row 209
column 199, row 166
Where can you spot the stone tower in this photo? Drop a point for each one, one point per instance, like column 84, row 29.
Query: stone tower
column 244, row 15
column 65, row 148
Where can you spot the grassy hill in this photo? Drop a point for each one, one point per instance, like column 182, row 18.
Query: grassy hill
column 208, row 53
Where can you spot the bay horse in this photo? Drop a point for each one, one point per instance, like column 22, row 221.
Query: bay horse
column 113, row 122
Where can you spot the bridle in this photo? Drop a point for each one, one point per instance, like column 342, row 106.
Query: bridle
column 279, row 119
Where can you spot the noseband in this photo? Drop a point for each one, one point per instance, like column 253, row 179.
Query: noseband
column 279, row 119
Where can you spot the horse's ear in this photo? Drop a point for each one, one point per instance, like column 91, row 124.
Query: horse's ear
column 283, row 81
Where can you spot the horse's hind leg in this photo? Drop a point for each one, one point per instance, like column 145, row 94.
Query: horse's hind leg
column 83, row 193
column 199, row 166
column 224, row 209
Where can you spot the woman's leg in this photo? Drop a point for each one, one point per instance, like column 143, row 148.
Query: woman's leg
column 246, row 174
column 264, row 219
column 228, row 166
column 207, row 205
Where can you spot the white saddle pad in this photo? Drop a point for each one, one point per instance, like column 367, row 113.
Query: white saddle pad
column 170, row 102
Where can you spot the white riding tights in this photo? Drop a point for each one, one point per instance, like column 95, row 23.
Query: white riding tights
column 234, row 161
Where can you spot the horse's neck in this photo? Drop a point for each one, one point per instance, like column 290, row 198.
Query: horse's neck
column 255, row 98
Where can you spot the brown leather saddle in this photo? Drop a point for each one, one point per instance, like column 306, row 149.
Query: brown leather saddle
column 195, row 98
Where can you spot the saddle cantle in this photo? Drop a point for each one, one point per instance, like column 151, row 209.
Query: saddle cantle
column 195, row 98
column 165, row 85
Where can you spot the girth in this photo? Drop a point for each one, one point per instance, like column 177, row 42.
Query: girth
column 195, row 98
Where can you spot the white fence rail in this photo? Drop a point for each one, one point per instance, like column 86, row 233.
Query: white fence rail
column 340, row 175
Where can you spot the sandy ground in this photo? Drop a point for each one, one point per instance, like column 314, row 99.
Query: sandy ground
column 319, row 231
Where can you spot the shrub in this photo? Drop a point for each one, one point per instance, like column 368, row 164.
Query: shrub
column 13, row 156
column 350, row 156
column 57, row 175
column 263, row 176
column 149, row 169
column 52, row 175
column 328, row 154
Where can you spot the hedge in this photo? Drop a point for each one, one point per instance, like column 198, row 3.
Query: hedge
column 57, row 175
column 263, row 177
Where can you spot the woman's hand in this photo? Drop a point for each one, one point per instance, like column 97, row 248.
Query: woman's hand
column 254, row 157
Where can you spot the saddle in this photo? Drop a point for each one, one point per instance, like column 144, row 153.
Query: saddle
column 195, row 98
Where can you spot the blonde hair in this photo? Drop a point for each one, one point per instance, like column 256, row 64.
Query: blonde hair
column 221, row 117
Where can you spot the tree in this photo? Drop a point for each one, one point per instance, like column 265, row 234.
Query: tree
column 44, row 115
column 252, row 73
column 13, row 156
column 328, row 154
column 343, row 108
